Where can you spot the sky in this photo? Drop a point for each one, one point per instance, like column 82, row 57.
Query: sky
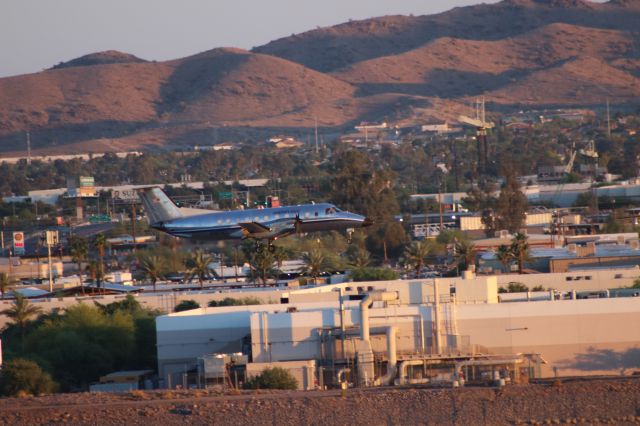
column 37, row 34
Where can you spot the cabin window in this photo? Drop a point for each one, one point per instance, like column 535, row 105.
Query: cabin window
column 266, row 218
column 277, row 216
column 256, row 219
column 219, row 221
column 617, row 276
column 228, row 220
column 307, row 214
column 315, row 214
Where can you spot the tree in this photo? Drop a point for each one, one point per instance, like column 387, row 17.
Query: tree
column 95, row 272
column 198, row 265
column 23, row 376
column 273, row 378
column 359, row 259
column 100, row 244
column 186, row 305
column 465, row 253
column 415, row 254
column 505, row 256
column 373, row 274
column 5, row 282
column 21, row 312
column 152, row 267
column 261, row 264
column 520, row 250
column 512, row 204
column 314, row 264
column 79, row 253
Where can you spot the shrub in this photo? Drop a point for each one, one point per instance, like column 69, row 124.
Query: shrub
column 186, row 305
column 373, row 274
column 517, row 288
column 272, row 378
column 229, row 301
column 22, row 376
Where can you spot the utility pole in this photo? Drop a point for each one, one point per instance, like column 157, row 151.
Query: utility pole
column 28, row 148
column 316, row 132
column 51, row 238
column 133, row 225
column 608, row 120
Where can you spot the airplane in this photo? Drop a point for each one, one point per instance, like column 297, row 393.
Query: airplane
column 258, row 224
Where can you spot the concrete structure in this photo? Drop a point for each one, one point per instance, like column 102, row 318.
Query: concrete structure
column 406, row 325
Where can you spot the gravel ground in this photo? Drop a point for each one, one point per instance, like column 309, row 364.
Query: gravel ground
column 601, row 401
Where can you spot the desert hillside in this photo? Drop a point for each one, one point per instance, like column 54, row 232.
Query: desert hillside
column 517, row 53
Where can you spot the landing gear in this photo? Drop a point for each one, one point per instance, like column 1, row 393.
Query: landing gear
column 260, row 247
column 350, row 232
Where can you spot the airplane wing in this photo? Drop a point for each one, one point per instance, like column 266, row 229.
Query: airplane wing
column 253, row 228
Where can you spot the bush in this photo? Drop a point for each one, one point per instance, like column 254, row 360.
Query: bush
column 229, row 301
column 273, row 378
column 186, row 305
column 22, row 376
column 373, row 274
column 514, row 288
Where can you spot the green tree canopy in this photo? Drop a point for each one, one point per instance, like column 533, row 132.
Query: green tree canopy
column 24, row 377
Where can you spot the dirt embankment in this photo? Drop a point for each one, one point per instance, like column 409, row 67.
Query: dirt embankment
column 580, row 402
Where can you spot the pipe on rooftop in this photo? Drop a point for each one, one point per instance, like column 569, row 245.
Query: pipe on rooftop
column 366, row 303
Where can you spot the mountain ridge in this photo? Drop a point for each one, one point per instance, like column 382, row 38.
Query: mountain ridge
column 516, row 53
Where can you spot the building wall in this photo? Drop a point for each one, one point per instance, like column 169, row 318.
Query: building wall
column 562, row 265
column 575, row 337
column 586, row 280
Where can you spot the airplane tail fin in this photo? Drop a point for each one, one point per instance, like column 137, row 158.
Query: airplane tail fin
column 158, row 205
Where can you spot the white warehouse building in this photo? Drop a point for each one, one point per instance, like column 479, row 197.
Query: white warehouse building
column 385, row 328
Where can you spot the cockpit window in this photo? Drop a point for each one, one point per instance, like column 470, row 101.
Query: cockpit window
column 330, row 210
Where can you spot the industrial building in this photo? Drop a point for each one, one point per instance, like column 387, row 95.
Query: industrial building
column 381, row 333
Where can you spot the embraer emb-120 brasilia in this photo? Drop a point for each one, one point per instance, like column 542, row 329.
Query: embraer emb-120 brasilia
column 258, row 224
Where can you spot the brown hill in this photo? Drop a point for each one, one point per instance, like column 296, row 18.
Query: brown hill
column 100, row 58
column 451, row 68
column 236, row 87
column 409, row 69
column 329, row 49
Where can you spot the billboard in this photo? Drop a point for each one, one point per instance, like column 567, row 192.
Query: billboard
column 18, row 243
column 129, row 195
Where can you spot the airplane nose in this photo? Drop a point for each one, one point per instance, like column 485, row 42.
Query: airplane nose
column 367, row 222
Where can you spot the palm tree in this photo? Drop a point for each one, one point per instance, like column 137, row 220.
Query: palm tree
column 520, row 250
column 198, row 265
column 94, row 271
column 359, row 259
column 280, row 255
column 262, row 264
column 100, row 244
column 415, row 254
column 314, row 264
column 505, row 256
column 79, row 253
column 465, row 253
column 152, row 267
column 21, row 312
column 5, row 282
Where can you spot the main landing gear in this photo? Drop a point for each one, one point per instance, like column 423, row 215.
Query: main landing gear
column 260, row 247
column 350, row 232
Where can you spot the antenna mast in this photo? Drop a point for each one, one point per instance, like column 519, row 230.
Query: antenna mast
column 28, row 148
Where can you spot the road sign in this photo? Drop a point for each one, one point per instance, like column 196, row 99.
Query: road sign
column 125, row 194
column 18, row 243
column 225, row 195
